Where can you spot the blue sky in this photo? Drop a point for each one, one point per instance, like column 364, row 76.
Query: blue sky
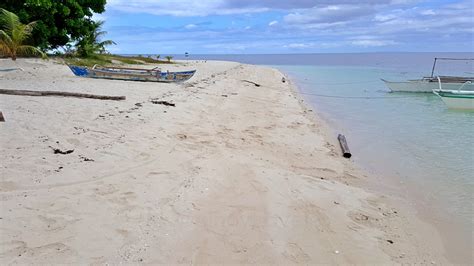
column 296, row 26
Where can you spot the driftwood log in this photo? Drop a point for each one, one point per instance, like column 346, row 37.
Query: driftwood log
column 251, row 82
column 2, row 119
column 163, row 103
column 345, row 148
column 59, row 151
column 61, row 94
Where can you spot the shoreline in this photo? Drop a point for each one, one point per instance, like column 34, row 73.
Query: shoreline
column 398, row 189
column 227, row 182
column 371, row 181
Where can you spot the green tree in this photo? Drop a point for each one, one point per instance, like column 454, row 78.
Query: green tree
column 91, row 43
column 58, row 21
column 169, row 57
column 13, row 36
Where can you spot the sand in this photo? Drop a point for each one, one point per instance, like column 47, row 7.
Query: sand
column 233, row 174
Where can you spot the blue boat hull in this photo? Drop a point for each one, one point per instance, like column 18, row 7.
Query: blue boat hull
column 131, row 74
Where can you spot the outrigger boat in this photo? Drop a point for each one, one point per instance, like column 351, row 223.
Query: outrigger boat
column 428, row 84
column 456, row 99
column 132, row 74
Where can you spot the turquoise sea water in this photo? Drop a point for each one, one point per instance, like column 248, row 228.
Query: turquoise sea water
column 411, row 138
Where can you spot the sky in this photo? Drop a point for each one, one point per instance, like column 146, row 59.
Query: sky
column 296, row 26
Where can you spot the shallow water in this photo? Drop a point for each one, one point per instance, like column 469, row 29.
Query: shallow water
column 412, row 137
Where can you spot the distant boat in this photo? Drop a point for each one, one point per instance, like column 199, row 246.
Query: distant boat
column 131, row 74
column 428, row 84
column 456, row 99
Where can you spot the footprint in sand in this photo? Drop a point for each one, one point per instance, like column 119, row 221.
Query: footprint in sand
column 15, row 247
column 74, row 142
column 363, row 219
column 106, row 190
column 295, row 253
column 55, row 223
column 21, row 249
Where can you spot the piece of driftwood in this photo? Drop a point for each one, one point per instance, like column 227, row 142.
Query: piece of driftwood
column 2, row 119
column 10, row 69
column 251, row 82
column 345, row 148
column 61, row 94
column 163, row 103
column 59, row 151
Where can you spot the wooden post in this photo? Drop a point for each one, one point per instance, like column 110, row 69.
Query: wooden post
column 434, row 65
column 345, row 148
column 2, row 119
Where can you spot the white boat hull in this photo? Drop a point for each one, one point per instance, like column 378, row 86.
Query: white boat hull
column 425, row 86
column 457, row 99
column 459, row 103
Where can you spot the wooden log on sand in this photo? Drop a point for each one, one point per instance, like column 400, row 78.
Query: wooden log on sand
column 61, row 94
column 345, row 148
column 2, row 119
column 251, row 82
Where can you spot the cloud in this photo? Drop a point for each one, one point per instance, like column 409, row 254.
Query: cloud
column 450, row 18
column 297, row 4
column 329, row 14
column 99, row 17
column 297, row 25
column 299, row 45
column 190, row 26
column 183, row 8
column 226, row 7
column 428, row 12
column 383, row 18
column 373, row 43
column 273, row 23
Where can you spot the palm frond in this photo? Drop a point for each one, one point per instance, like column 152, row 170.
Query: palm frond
column 13, row 35
column 28, row 50
column 106, row 43
column 29, row 28
column 98, row 34
column 5, row 50
column 8, row 20
column 5, row 38
column 5, row 44
column 19, row 34
column 99, row 23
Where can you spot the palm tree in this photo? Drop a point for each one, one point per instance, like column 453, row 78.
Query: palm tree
column 169, row 57
column 13, row 35
column 90, row 43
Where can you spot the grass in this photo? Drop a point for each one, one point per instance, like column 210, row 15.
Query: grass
column 87, row 61
column 148, row 60
column 104, row 60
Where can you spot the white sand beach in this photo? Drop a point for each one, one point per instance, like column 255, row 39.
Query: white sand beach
column 233, row 174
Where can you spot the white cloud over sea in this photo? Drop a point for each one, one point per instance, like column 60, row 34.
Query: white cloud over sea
column 248, row 26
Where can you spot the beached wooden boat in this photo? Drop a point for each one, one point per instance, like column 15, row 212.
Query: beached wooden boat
column 132, row 74
column 428, row 84
column 456, row 99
